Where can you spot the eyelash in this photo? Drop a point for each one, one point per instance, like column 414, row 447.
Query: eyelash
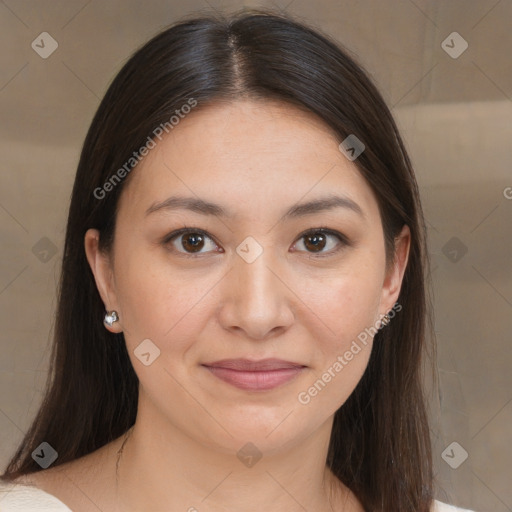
column 315, row 231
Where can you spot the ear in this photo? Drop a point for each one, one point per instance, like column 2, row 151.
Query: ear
column 101, row 267
column 394, row 275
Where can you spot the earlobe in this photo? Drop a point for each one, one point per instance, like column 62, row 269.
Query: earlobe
column 101, row 268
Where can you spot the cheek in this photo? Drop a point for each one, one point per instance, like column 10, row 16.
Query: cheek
column 166, row 304
column 347, row 308
column 158, row 303
column 334, row 382
column 346, row 303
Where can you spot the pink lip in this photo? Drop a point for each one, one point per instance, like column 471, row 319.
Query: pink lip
column 254, row 375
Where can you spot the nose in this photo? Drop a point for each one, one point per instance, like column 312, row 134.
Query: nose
column 257, row 302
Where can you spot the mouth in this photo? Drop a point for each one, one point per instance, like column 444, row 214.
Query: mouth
column 250, row 375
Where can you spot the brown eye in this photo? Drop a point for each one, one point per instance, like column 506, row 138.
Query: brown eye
column 191, row 242
column 315, row 242
column 322, row 242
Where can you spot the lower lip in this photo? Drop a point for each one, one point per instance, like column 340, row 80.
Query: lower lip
column 255, row 381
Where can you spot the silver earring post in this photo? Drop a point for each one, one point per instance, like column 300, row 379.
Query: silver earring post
column 385, row 320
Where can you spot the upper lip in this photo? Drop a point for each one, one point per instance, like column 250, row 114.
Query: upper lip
column 254, row 365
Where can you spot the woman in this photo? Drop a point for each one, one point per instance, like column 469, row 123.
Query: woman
column 242, row 310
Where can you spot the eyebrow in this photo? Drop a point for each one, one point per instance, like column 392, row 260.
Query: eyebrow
column 208, row 208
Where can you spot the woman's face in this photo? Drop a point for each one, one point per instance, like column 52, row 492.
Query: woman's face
column 252, row 278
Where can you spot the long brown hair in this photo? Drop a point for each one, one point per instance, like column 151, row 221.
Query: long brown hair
column 380, row 442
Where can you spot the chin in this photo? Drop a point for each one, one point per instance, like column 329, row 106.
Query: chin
column 268, row 437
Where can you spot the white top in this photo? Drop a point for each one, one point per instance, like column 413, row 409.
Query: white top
column 17, row 498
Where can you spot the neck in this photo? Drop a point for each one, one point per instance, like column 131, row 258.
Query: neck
column 161, row 468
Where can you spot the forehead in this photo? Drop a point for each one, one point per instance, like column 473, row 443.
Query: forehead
column 239, row 130
column 248, row 152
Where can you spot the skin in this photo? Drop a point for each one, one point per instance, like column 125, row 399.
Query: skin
column 256, row 159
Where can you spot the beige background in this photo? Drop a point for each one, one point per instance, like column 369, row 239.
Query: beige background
column 456, row 118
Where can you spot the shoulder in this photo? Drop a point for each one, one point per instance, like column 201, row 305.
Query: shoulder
column 16, row 497
column 444, row 507
column 64, row 487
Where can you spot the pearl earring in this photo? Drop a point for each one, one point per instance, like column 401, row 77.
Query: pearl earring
column 110, row 318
